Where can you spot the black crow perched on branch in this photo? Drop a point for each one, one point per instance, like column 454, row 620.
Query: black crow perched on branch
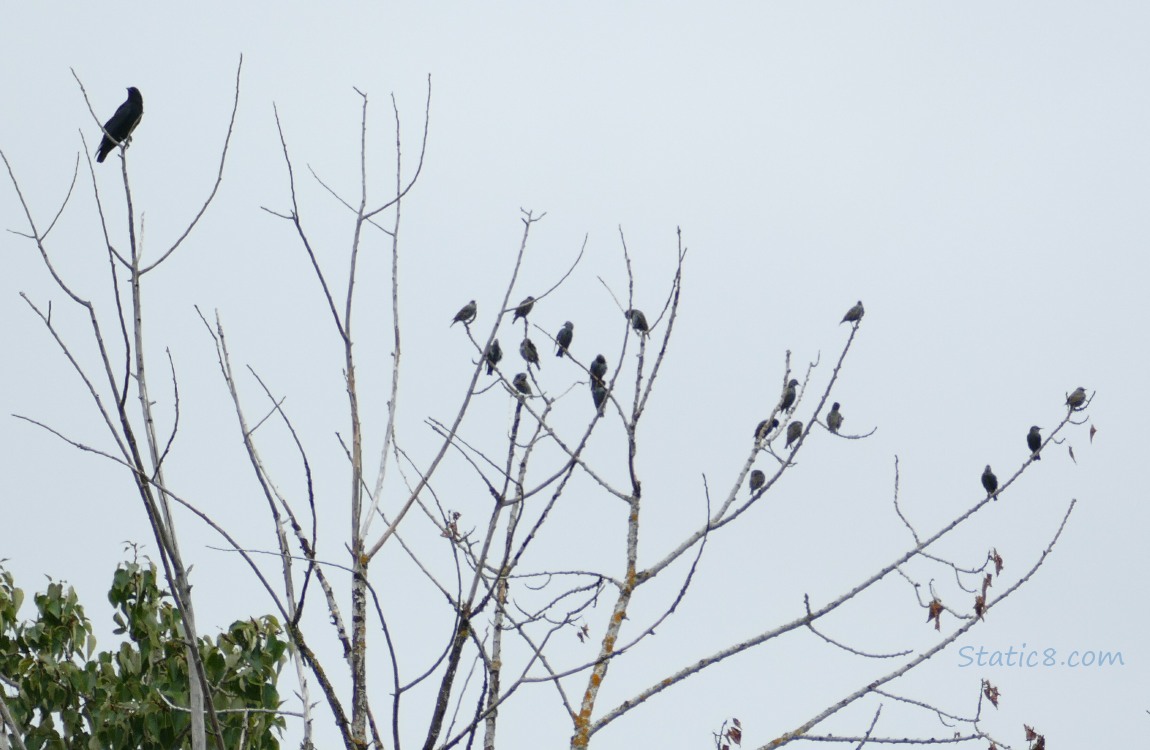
column 121, row 124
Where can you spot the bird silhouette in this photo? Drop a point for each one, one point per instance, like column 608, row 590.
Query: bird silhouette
column 599, row 368
column 854, row 314
column 121, row 124
column 466, row 314
column 1034, row 442
column 834, row 418
column 1077, row 399
column 989, row 481
column 493, row 354
column 521, row 384
column 789, row 394
column 764, row 428
column 638, row 321
column 563, row 338
column 598, row 394
column 524, row 308
column 758, row 479
column 794, row 430
column 528, row 351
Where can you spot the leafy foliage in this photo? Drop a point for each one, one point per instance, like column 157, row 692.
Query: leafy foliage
column 69, row 696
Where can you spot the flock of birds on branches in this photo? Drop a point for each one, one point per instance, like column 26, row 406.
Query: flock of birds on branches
column 493, row 354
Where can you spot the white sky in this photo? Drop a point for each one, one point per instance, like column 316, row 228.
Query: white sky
column 976, row 173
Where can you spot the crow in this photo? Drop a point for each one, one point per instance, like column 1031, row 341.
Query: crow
column 121, row 125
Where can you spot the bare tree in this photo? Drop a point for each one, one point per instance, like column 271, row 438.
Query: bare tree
column 510, row 612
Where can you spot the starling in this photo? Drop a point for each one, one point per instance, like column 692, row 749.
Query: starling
column 638, row 321
column 1034, row 442
column 794, row 429
column 989, row 481
column 789, row 394
column 523, row 309
column 466, row 314
column 493, row 354
column 765, row 428
column 834, row 419
column 121, row 124
column 521, row 384
column 1077, row 399
column 529, row 352
column 758, row 479
column 563, row 338
column 599, row 368
column 854, row 314
column 598, row 394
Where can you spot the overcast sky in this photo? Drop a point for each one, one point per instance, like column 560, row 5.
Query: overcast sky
column 976, row 173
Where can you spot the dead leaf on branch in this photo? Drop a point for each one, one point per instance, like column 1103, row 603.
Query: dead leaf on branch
column 934, row 612
column 997, row 558
column 991, row 693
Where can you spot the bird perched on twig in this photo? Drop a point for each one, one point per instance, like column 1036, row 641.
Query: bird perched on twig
column 758, row 479
column 764, row 428
column 1077, row 399
column 528, row 351
column 563, row 338
column 989, row 481
column 794, row 430
column 598, row 394
column 493, row 354
column 1034, row 442
column 466, row 314
column 854, row 314
column 599, row 368
column 524, row 309
column 521, row 384
column 121, row 124
column 638, row 321
column 834, row 418
column 789, row 394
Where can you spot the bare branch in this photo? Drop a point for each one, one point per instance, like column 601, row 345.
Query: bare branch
column 215, row 186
